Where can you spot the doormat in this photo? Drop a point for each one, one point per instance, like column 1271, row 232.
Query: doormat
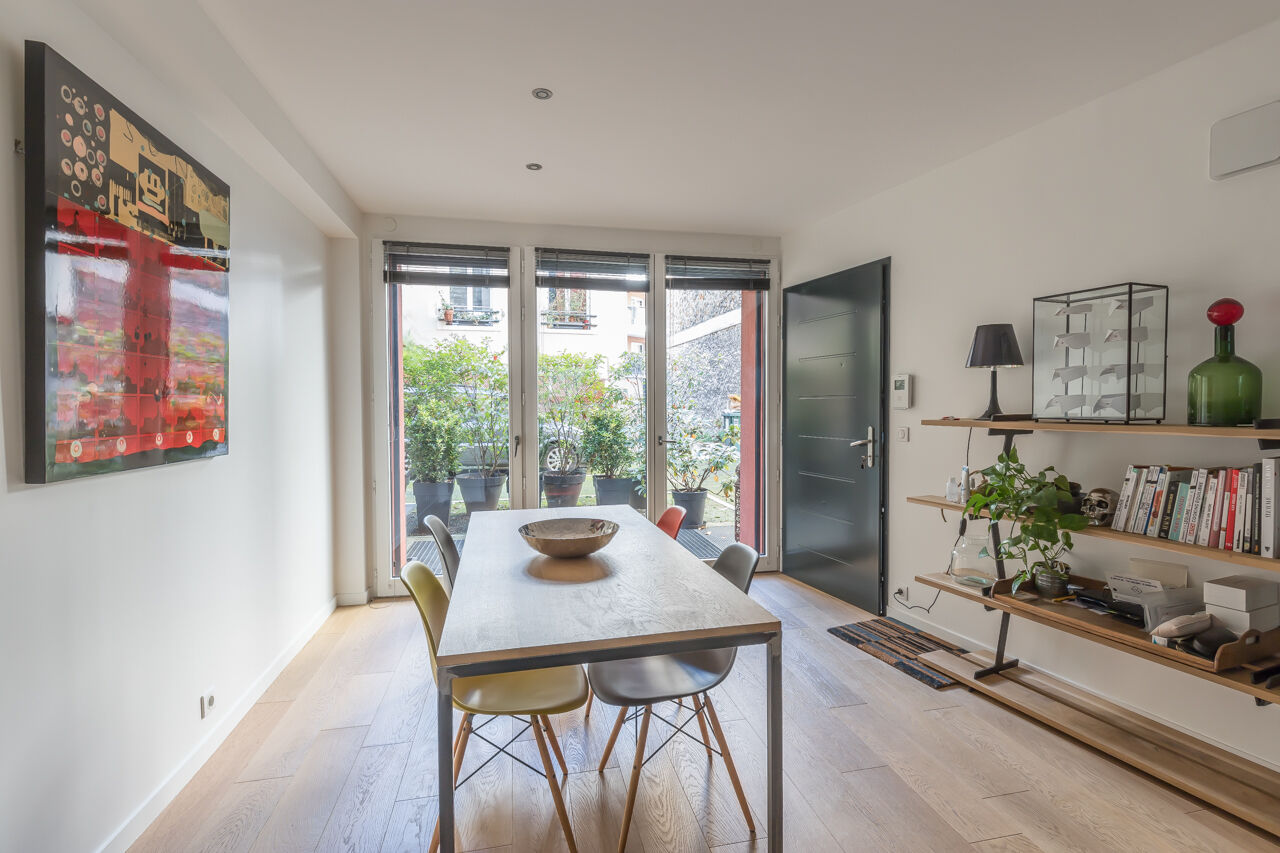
column 898, row 645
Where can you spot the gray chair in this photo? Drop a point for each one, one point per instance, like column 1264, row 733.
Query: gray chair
column 644, row 682
column 448, row 548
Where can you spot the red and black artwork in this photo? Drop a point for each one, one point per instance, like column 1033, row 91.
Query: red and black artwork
column 127, row 260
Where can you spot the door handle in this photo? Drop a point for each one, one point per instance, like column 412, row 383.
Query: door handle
column 662, row 439
column 869, row 460
column 515, row 451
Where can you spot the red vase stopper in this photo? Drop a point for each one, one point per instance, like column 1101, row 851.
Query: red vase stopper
column 1225, row 312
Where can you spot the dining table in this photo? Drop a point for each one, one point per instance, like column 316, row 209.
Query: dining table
column 643, row 593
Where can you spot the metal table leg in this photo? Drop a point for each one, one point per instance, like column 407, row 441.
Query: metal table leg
column 444, row 748
column 1000, row 664
column 773, row 682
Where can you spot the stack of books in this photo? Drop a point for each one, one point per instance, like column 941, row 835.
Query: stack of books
column 1233, row 509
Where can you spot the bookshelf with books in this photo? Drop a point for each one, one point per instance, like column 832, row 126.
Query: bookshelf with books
column 1217, row 508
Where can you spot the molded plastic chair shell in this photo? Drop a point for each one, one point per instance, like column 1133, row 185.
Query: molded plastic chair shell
column 448, row 548
column 669, row 521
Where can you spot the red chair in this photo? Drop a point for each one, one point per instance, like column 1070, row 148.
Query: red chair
column 669, row 522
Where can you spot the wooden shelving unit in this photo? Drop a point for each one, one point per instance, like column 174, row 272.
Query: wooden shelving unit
column 1172, row 430
column 1252, row 561
column 1107, row 631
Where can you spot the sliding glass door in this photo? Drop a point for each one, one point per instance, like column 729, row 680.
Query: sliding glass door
column 523, row 377
column 450, row 378
column 715, row 400
column 592, row 328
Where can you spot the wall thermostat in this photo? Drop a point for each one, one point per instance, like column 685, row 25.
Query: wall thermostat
column 900, row 394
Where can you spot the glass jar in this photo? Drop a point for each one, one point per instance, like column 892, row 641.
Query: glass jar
column 1224, row 390
column 968, row 558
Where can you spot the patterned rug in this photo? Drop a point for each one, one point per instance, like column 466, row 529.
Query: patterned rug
column 898, row 645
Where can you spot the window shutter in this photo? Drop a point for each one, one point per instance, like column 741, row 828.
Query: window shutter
column 574, row 270
column 455, row 267
column 689, row 273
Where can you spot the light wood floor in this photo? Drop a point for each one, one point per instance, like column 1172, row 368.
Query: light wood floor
column 340, row 755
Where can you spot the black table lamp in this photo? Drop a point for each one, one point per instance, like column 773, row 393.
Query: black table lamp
column 994, row 346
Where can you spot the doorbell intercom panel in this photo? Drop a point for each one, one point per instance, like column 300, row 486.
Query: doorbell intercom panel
column 900, row 391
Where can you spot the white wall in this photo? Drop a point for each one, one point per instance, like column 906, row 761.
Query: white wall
column 1114, row 191
column 124, row 596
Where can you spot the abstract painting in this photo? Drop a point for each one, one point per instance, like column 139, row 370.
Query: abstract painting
column 127, row 300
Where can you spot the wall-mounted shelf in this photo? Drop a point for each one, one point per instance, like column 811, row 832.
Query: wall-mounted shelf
column 1106, row 631
column 1173, row 430
column 1251, row 560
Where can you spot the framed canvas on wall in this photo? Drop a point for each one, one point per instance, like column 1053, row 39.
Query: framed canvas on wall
column 127, row 299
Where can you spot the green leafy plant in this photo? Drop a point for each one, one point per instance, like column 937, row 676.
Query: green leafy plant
column 455, row 374
column 570, row 388
column 1034, row 503
column 606, row 444
column 432, row 437
column 697, row 450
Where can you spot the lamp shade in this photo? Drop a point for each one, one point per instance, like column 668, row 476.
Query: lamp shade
column 994, row 345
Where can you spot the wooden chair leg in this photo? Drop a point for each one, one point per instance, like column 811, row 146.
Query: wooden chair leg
column 613, row 738
column 555, row 744
column 459, row 751
column 702, row 723
column 591, row 697
column 728, row 763
column 636, row 764
column 555, row 789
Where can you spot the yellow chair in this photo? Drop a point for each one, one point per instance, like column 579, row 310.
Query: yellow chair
column 534, row 694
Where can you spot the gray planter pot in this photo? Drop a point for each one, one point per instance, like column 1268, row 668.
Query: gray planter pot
column 611, row 491
column 695, row 506
column 479, row 492
column 432, row 499
column 563, row 489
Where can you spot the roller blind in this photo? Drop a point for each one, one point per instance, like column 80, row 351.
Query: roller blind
column 447, row 266
column 574, row 270
column 688, row 273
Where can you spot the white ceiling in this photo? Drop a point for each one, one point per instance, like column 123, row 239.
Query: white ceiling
column 741, row 116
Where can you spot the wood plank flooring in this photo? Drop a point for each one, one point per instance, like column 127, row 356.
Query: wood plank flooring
column 340, row 755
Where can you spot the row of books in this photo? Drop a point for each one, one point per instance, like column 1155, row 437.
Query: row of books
column 1233, row 509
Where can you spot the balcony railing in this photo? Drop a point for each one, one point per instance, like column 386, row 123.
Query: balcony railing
column 568, row 320
column 460, row 315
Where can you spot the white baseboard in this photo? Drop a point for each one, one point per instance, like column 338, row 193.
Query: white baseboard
column 150, row 809
column 347, row 599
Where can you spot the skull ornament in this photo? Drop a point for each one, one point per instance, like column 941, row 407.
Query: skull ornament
column 1099, row 505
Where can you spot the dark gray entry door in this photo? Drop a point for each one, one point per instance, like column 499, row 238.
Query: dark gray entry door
column 836, row 352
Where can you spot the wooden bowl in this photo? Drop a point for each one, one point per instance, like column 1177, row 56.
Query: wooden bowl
column 568, row 537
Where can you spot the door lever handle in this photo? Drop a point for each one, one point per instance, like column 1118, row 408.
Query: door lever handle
column 869, row 460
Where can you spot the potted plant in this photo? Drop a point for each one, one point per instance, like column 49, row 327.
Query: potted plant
column 1041, row 507
column 607, row 448
column 698, row 449
column 570, row 387
column 446, row 311
column 432, row 437
column 482, row 383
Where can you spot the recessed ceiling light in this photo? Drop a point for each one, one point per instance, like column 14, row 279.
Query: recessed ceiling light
column 542, row 94
column 533, row 167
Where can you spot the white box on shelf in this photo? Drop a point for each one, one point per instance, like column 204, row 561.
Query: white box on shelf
column 1239, row 621
column 1241, row 592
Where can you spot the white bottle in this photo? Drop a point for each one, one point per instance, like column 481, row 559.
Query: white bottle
column 964, row 485
column 953, row 491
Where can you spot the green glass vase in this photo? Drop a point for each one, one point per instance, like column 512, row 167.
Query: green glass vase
column 1224, row 390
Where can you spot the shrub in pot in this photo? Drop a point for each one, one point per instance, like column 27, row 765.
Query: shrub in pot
column 482, row 389
column 570, row 388
column 431, row 439
column 698, row 449
column 1038, row 506
column 607, row 449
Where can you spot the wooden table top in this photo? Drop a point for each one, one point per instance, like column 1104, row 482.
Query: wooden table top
column 511, row 602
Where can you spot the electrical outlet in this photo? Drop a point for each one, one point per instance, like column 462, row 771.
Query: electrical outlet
column 207, row 702
column 904, row 592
